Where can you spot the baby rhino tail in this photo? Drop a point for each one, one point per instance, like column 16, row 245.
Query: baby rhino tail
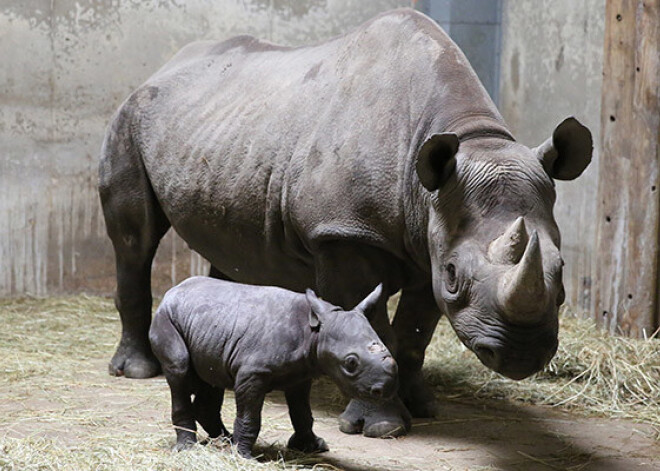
column 168, row 346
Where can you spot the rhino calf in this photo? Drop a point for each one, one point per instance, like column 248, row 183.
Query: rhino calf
column 210, row 335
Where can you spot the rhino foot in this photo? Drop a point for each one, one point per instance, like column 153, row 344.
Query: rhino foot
column 387, row 420
column 133, row 363
column 418, row 396
column 350, row 425
column 185, row 442
column 385, row 429
column 311, row 444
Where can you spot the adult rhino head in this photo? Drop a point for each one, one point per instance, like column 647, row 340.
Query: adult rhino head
column 494, row 243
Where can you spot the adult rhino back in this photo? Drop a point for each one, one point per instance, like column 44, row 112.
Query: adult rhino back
column 243, row 135
column 374, row 157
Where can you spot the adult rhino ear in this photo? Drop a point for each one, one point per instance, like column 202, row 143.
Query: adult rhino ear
column 368, row 303
column 316, row 310
column 436, row 161
column 567, row 153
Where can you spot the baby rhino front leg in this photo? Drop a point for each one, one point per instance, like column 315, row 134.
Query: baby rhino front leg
column 250, row 391
column 303, row 439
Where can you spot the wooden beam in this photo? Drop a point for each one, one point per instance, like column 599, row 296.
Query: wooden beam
column 628, row 226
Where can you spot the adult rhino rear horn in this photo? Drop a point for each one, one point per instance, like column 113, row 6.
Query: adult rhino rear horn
column 522, row 290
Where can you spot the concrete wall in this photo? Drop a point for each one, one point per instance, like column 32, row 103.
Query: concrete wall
column 475, row 26
column 66, row 66
column 551, row 68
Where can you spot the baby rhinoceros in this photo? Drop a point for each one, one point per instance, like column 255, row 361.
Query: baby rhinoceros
column 210, row 335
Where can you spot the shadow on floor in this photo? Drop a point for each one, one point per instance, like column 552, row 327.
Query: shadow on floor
column 496, row 435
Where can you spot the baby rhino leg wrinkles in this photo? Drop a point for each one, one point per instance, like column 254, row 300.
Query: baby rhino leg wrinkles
column 300, row 412
column 250, row 392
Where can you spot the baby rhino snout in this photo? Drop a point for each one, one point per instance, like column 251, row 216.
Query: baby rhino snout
column 387, row 386
column 390, row 366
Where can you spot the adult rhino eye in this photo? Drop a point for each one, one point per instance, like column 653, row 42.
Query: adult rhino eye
column 451, row 282
column 351, row 364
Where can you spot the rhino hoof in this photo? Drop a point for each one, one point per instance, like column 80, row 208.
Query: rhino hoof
column 383, row 421
column 385, row 429
column 349, row 427
column 185, row 444
column 134, row 366
column 313, row 445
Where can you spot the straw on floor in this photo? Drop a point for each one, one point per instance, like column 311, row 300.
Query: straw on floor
column 55, row 350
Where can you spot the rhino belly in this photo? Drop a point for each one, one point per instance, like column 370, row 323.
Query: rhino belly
column 247, row 253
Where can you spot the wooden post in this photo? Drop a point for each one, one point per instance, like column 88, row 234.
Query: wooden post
column 628, row 227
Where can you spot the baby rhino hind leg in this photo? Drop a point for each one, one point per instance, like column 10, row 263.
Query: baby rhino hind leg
column 170, row 349
column 207, row 406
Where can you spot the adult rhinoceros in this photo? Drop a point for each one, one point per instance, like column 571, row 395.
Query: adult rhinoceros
column 374, row 157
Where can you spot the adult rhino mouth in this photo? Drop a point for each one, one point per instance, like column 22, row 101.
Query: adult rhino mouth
column 515, row 360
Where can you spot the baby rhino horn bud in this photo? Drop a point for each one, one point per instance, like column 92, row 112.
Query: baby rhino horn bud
column 509, row 247
column 522, row 290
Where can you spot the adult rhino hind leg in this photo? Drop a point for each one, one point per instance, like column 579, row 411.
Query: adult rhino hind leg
column 135, row 223
column 345, row 273
column 416, row 318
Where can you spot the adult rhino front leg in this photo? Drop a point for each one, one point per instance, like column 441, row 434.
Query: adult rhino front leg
column 416, row 318
column 345, row 273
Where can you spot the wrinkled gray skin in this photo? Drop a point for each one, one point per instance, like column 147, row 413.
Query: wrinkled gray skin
column 374, row 157
column 210, row 335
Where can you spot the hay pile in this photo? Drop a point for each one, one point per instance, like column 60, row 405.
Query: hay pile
column 59, row 409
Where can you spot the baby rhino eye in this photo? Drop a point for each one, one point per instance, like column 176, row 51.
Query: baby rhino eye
column 351, row 364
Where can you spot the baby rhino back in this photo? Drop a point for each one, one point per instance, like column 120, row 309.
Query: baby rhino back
column 227, row 326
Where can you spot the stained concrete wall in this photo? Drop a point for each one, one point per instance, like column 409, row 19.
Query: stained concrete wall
column 551, row 68
column 66, row 66
column 475, row 26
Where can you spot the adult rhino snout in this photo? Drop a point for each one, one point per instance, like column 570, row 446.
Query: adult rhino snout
column 521, row 292
column 513, row 363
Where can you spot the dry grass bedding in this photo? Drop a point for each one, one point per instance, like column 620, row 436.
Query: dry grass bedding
column 59, row 410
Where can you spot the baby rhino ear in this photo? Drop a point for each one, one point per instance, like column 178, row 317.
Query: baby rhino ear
column 316, row 309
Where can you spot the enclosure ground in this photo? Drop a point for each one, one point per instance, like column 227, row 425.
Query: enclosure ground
column 59, row 409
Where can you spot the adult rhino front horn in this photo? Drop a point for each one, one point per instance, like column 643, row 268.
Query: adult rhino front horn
column 522, row 287
column 374, row 157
